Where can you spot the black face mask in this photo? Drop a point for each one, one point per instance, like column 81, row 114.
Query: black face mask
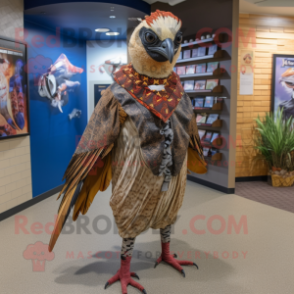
column 158, row 50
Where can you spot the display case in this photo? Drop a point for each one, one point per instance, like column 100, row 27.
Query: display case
column 201, row 69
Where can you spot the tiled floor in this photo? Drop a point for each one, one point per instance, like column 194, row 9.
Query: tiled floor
column 256, row 260
column 282, row 198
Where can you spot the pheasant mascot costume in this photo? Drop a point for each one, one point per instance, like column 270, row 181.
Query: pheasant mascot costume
column 143, row 136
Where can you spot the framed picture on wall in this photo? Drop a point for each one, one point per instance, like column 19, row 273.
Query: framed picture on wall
column 283, row 84
column 14, row 102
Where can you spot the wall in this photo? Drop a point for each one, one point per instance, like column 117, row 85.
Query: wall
column 98, row 52
column 272, row 35
column 214, row 14
column 53, row 135
column 11, row 16
column 15, row 166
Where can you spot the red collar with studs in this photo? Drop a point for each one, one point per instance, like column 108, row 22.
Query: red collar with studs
column 161, row 103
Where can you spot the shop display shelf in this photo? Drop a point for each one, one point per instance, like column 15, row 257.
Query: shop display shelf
column 205, row 74
column 217, row 143
column 217, row 89
column 217, row 107
column 217, row 124
column 215, row 157
column 216, row 73
column 216, row 55
column 208, row 128
column 207, row 110
column 200, row 42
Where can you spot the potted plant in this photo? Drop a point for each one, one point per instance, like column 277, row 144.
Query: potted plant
column 274, row 142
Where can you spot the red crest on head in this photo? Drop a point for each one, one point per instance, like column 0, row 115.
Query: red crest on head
column 158, row 13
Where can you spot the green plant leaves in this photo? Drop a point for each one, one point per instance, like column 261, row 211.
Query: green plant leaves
column 275, row 140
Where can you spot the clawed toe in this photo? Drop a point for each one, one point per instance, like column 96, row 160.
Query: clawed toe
column 106, row 285
column 125, row 277
column 183, row 273
column 183, row 262
column 170, row 259
column 125, row 281
column 135, row 275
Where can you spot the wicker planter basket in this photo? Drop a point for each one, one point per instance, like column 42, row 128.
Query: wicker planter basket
column 281, row 178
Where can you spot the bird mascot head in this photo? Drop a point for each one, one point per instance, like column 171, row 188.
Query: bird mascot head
column 155, row 44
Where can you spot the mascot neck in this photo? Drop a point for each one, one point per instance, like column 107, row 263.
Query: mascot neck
column 153, row 70
column 151, row 75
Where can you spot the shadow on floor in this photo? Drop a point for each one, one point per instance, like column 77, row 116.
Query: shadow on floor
column 97, row 272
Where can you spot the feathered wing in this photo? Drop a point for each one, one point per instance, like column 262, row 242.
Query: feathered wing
column 196, row 162
column 90, row 167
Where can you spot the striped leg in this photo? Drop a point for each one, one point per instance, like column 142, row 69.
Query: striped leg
column 166, row 256
column 127, row 247
column 124, row 275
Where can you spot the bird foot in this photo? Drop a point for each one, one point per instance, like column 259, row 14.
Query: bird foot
column 124, row 276
column 171, row 259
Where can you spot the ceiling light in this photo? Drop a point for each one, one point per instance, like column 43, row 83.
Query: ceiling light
column 135, row 19
column 112, row 33
column 170, row 2
column 102, row 30
column 112, row 16
column 112, row 8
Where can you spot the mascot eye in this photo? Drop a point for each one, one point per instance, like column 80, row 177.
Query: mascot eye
column 179, row 38
column 149, row 37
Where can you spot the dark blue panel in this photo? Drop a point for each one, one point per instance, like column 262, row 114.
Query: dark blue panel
column 73, row 30
column 53, row 135
column 136, row 4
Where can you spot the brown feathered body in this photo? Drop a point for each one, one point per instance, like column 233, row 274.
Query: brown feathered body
column 137, row 200
column 141, row 139
column 110, row 150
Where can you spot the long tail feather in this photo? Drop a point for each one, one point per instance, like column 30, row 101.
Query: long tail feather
column 76, row 172
column 80, row 165
column 60, row 220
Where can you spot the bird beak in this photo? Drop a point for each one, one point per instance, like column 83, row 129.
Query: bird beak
column 166, row 49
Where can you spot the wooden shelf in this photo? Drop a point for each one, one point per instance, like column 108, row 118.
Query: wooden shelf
column 195, row 59
column 216, row 107
column 207, row 110
column 218, row 72
column 207, row 128
column 217, row 89
column 217, row 54
column 215, row 157
column 217, row 124
column 204, row 74
column 217, row 143
column 200, row 42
